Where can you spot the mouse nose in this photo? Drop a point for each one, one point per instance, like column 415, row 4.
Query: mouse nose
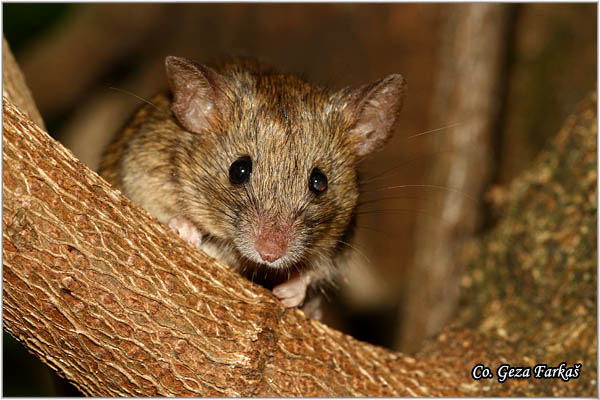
column 271, row 243
column 269, row 252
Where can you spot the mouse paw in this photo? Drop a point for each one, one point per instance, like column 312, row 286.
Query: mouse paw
column 186, row 230
column 293, row 291
column 312, row 308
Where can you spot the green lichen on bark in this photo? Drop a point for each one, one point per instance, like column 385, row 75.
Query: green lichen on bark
column 533, row 279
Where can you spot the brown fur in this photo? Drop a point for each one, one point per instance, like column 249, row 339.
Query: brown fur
column 176, row 163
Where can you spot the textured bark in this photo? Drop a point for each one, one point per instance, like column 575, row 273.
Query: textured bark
column 119, row 305
column 116, row 303
column 468, row 93
column 533, row 279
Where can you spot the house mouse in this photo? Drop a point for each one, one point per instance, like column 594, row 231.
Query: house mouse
column 255, row 167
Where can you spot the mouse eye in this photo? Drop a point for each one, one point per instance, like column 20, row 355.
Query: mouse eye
column 317, row 183
column 240, row 170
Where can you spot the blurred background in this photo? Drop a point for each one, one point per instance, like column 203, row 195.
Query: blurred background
column 489, row 86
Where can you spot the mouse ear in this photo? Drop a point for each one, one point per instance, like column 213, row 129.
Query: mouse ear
column 198, row 94
column 374, row 109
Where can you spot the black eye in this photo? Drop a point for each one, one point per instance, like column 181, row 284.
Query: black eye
column 317, row 183
column 240, row 170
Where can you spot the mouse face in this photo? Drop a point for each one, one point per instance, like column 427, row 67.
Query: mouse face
column 269, row 164
column 279, row 181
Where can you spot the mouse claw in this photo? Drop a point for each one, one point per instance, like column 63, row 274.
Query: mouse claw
column 293, row 291
column 186, row 230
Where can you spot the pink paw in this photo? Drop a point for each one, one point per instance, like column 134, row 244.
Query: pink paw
column 293, row 291
column 312, row 308
column 186, row 230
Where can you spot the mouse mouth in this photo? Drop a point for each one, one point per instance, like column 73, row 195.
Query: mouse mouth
column 270, row 259
column 272, row 252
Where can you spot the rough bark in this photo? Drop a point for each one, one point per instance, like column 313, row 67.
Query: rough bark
column 468, row 94
column 533, row 279
column 119, row 305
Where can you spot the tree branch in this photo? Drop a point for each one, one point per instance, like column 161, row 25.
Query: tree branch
column 119, row 305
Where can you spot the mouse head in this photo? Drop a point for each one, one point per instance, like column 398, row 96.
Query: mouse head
column 271, row 161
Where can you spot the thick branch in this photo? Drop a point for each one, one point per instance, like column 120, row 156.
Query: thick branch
column 533, row 279
column 119, row 305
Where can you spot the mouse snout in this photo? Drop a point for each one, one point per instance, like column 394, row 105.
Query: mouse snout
column 271, row 242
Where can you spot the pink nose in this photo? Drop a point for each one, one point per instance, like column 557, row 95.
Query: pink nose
column 270, row 251
column 271, row 244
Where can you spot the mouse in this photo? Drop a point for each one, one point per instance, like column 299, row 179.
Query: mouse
column 256, row 167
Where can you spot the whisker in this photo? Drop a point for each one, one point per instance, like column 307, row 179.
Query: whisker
column 402, row 210
column 364, row 158
column 356, row 249
column 296, row 267
column 137, row 97
column 453, row 190
column 370, row 228
column 362, row 203
column 435, row 130
column 385, row 173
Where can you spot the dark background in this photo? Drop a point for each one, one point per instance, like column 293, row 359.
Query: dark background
column 72, row 55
